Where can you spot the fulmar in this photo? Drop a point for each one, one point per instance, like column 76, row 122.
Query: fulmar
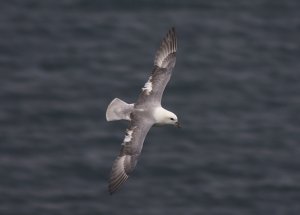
column 145, row 113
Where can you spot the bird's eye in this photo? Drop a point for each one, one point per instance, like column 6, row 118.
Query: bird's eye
column 171, row 118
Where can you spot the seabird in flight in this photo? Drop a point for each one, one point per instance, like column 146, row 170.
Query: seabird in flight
column 145, row 113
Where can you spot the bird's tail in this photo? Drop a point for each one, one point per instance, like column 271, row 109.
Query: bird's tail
column 118, row 110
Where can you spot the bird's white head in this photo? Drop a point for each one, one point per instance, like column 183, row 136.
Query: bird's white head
column 165, row 117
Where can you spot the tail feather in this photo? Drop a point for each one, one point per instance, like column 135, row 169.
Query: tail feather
column 118, row 110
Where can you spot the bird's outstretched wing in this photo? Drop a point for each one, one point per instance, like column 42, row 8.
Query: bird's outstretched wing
column 164, row 63
column 129, row 153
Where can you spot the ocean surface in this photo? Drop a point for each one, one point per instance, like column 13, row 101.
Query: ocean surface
column 235, row 89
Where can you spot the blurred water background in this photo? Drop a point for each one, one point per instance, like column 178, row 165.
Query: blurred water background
column 235, row 89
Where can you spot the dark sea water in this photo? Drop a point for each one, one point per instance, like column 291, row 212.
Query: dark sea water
column 235, row 89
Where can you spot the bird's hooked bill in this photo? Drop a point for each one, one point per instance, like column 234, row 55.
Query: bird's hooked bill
column 177, row 125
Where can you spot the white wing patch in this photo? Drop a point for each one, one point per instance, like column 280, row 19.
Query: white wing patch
column 128, row 136
column 148, row 86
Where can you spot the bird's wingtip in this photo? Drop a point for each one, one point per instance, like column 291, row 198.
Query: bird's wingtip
column 165, row 55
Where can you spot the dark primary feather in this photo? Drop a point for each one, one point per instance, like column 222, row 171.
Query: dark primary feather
column 168, row 46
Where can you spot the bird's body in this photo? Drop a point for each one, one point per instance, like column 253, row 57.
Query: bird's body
column 143, row 114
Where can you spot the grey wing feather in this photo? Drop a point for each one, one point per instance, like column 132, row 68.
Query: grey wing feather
column 129, row 153
column 164, row 63
column 166, row 52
